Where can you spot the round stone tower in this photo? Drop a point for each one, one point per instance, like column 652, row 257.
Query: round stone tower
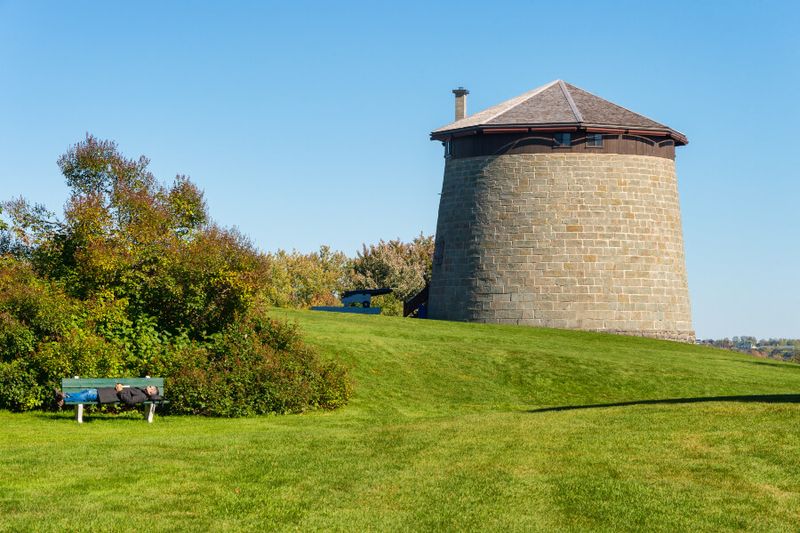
column 560, row 209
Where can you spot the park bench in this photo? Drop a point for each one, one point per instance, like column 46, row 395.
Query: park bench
column 72, row 385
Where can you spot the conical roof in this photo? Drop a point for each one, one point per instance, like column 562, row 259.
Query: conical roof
column 558, row 105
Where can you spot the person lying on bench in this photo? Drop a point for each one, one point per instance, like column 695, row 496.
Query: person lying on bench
column 118, row 393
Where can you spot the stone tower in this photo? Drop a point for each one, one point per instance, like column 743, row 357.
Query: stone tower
column 560, row 209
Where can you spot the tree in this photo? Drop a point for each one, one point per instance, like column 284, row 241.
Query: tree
column 135, row 279
column 126, row 236
column 303, row 280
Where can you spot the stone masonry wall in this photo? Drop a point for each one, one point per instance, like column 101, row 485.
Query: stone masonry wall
column 582, row 241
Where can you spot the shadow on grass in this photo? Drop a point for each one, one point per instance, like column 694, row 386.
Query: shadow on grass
column 775, row 364
column 757, row 398
column 89, row 417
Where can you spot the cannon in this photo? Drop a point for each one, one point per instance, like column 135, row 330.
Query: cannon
column 357, row 301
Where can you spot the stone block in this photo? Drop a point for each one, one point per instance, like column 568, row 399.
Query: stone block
column 593, row 241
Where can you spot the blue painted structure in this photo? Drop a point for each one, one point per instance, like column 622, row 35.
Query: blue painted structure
column 356, row 301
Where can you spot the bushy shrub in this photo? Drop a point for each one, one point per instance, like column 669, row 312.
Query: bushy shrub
column 16, row 339
column 19, row 387
column 202, row 284
column 25, row 299
column 135, row 280
column 256, row 366
column 80, row 352
column 390, row 304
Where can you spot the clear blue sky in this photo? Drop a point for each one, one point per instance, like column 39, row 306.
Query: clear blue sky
column 307, row 123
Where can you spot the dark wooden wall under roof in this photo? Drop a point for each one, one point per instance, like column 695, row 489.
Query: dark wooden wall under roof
column 483, row 144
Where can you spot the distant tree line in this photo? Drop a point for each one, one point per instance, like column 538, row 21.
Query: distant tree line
column 136, row 279
column 319, row 278
column 780, row 349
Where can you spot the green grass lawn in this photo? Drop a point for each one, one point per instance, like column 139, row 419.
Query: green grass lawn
column 452, row 427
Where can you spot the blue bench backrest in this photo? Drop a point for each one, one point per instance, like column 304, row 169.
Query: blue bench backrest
column 69, row 385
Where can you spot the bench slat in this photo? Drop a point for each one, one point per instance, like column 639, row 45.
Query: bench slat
column 79, row 384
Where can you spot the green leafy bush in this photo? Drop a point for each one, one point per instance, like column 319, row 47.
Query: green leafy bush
column 16, row 339
column 19, row 388
column 256, row 366
column 136, row 280
column 390, row 304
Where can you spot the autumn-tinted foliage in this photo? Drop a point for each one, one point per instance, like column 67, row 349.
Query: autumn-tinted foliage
column 404, row 267
column 302, row 280
column 135, row 280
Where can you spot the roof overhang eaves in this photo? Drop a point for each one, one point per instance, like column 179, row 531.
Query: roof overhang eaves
column 677, row 136
column 502, row 128
column 640, row 130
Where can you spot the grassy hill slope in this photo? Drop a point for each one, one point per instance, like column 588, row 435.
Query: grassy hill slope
column 453, row 426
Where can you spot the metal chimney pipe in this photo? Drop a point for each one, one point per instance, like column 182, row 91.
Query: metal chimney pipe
column 461, row 102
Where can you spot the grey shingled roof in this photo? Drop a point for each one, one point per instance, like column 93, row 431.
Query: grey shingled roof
column 557, row 104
